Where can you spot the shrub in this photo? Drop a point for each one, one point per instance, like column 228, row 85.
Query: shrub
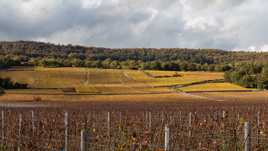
column 2, row 91
column 37, row 99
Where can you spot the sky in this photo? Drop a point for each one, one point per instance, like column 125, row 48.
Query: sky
column 221, row 24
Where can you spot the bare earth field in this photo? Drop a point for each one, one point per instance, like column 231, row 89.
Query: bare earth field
column 261, row 96
column 170, row 97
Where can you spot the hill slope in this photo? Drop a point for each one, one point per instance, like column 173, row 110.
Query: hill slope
column 209, row 56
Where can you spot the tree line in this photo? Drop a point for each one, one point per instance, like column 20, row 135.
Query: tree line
column 28, row 53
column 7, row 83
column 130, row 64
column 250, row 75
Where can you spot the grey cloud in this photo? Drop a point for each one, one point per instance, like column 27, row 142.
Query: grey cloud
column 224, row 24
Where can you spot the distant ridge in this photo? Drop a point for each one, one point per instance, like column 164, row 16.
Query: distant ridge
column 201, row 56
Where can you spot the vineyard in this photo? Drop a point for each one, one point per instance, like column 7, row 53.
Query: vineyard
column 87, row 84
column 173, row 126
column 72, row 109
column 102, row 81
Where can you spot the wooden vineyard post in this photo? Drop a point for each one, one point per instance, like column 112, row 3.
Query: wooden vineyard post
column 84, row 140
column 3, row 127
column 166, row 138
column 190, row 124
column 66, row 124
column 20, row 126
column 162, row 117
column 33, row 122
column 146, row 120
column 170, row 120
column 224, row 114
column 120, row 122
column 146, row 116
column 120, row 118
column 108, row 129
column 180, row 114
column 247, row 135
column 108, row 124
column 258, row 127
column 150, row 121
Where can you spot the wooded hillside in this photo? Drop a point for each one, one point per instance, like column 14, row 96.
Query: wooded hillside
column 51, row 55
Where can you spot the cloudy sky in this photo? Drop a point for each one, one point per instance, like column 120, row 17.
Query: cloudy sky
column 224, row 24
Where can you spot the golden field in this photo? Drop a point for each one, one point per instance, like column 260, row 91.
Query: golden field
column 113, row 85
column 213, row 87
column 86, row 80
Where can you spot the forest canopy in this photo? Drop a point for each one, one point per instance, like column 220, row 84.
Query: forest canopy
column 250, row 75
column 27, row 53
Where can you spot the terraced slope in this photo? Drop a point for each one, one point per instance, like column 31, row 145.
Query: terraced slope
column 109, row 81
